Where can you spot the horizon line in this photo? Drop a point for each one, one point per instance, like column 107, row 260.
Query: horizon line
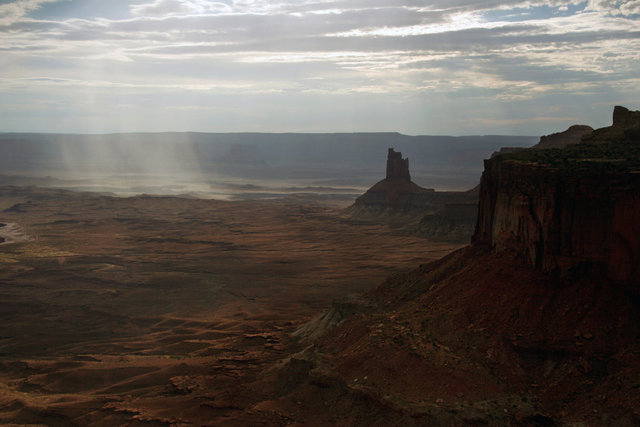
column 258, row 133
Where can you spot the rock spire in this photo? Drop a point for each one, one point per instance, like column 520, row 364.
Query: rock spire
column 397, row 167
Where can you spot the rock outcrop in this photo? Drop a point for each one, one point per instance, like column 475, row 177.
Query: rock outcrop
column 437, row 215
column 569, row 211
column 573, row 135
column 397, row 167
column 396, row 193
column 625, row 128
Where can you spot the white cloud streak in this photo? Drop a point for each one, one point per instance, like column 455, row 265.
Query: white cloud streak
column 14, row 11
column 179, row 7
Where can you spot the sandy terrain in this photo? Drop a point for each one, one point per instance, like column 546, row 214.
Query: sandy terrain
column 12, row 233
column 161, row 310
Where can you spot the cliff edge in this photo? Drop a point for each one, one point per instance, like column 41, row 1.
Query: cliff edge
column 569, row 210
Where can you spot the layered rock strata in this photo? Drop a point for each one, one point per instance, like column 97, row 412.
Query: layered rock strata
column 567, row 211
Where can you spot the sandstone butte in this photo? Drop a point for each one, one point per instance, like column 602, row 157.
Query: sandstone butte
column 396, row 192
column 397, row 200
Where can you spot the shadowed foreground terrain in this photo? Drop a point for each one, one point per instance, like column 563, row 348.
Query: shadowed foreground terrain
column 536, row 323
column 162, row 310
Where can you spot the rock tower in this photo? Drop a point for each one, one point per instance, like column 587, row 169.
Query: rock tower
column 397, row 167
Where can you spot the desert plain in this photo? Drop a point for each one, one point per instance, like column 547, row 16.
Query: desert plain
column 156, row 310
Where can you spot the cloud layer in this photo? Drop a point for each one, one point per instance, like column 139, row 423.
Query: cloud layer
column 452, row 67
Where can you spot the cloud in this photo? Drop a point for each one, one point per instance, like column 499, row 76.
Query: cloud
column 397, row 52
column 15, row 10
column 161, row 8
column 615, row 7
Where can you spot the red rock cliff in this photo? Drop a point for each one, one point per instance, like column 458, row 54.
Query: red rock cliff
column 565, row 215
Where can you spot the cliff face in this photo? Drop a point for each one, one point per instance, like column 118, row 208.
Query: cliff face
column 564, row 214
column 454, row 222
column 560, row 221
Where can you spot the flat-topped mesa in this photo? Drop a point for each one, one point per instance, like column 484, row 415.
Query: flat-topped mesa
column 397, row 167
column 569, row 210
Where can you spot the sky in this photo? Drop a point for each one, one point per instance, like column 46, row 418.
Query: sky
column 441, row 67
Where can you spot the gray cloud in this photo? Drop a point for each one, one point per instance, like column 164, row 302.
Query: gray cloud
column 202, row 55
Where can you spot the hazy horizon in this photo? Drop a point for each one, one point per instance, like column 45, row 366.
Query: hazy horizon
column 505, row 67
column 241, row 163
column 256, row 133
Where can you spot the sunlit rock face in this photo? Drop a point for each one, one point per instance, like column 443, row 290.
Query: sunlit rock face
column 569, row 211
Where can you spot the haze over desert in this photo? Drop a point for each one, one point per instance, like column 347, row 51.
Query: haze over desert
column 319, row 213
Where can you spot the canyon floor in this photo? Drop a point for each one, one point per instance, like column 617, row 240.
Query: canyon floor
column 168, row 311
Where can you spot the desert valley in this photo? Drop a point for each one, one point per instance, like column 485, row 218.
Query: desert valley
column 162, row 309
column 319, row 213
column 309, row 309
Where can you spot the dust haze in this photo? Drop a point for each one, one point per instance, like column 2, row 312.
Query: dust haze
column 232, row 166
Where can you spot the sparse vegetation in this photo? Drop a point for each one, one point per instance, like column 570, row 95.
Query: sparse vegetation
column 611, row 156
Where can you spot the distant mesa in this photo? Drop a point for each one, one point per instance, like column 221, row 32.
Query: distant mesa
column 243, row 154
column 438, row 215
